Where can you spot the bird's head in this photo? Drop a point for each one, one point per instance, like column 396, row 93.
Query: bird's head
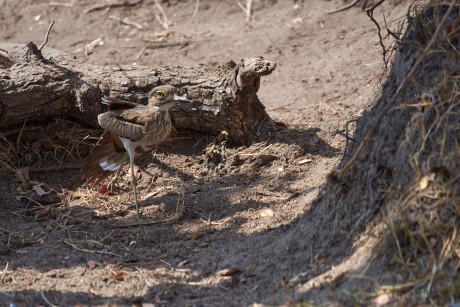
column 164, row 97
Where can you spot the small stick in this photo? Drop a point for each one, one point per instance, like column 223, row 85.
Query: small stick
column 46, row 300
column 48, row 33
column 163, row 22
column 5, row 270
column 55, row 168
column 111, row 5
column 370, row 13
column 344, row 8
column 90, row 251
column 125, row 21
column 37, row 208
column 247, row 9
column 195, row 11
column 140, row 53
column 59, row 4
column 50, row 4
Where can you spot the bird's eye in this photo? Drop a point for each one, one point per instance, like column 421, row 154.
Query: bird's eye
column 160, row 95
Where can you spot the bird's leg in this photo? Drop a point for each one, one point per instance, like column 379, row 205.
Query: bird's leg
column 114, row 180
column 133, row 181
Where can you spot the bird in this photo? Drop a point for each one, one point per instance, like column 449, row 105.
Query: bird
column 129, row 129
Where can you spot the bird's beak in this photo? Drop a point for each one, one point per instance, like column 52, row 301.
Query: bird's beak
column 181, row 99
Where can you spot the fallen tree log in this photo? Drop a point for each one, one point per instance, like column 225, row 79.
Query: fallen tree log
column 37, row 87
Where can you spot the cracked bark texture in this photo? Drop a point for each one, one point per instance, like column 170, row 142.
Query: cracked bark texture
column 38, row 89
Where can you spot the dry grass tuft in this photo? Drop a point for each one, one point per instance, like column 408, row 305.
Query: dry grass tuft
column 60, row 145
column 61, row 141
column 424, row 220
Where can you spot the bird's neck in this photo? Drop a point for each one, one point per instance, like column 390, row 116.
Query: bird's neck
column 161, row 109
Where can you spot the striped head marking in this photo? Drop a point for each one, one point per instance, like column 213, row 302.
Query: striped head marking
column 165, row 96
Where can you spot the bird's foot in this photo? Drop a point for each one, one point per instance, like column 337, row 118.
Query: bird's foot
column 113, row 183
column 138, row 213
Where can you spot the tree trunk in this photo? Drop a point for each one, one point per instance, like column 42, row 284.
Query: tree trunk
column 38, row 87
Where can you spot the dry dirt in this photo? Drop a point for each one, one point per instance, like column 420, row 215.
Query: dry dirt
column 258, row 226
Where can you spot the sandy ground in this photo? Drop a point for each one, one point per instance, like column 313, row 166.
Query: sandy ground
column 248, row 227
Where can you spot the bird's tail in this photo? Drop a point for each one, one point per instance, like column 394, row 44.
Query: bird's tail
column 106, row 157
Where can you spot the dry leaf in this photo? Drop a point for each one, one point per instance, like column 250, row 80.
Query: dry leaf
column 39, row 190
column 118, row 276
column 42, row 213
column 267, row 213
column 102, row 189
column 91, row 264
column 382, row 299
column 425, row 182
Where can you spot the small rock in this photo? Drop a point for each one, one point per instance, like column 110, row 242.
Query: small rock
column 229, row 271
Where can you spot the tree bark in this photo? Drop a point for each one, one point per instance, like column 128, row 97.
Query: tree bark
column 37, row 87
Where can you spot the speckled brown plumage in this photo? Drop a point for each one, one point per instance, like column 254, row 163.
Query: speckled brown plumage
column 130, row 128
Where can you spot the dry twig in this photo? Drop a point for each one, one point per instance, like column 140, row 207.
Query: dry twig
column 370, row 14
column 127, row 22
column 344, row 8
column 48, row 33
column 109, row 6
column 46, row 300
column 246, row 9
column 163, row 21
column 89, row 250
column 195, row 11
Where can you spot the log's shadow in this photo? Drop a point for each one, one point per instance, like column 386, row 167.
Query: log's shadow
column 308, row 139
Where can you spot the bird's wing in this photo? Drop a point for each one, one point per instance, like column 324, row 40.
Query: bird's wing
column 119, row 104
column 124, row 123
column 106, row 157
